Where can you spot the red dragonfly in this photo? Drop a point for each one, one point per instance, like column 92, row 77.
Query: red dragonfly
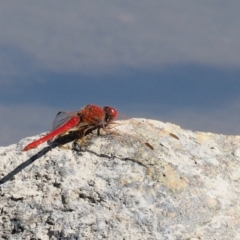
column 90, row 115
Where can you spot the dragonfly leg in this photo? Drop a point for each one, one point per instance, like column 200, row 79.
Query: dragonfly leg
column 76, row 146
column 81, row 140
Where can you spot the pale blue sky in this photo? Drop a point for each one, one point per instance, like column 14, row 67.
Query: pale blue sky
column 175, row 61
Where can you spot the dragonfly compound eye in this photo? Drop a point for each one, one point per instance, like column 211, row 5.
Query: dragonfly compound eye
column 110, row 114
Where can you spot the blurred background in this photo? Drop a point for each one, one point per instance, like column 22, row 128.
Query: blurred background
column 174, row 61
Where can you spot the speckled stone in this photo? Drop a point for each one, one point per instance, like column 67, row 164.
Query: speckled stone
column 119, row 187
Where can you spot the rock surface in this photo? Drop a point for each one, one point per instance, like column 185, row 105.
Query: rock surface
column 118, row 187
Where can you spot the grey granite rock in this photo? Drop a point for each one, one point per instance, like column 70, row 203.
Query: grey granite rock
column 135, row 181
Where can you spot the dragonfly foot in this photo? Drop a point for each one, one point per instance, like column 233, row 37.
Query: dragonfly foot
column 76, row 146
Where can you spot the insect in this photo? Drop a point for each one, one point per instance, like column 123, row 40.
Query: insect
column 89, row 116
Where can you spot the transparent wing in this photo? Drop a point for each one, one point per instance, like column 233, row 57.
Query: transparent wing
column 61, row 118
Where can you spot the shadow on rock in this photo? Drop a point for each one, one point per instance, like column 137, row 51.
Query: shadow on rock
column 72, row 136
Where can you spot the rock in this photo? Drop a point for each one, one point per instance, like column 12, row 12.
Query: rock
column 134, row 181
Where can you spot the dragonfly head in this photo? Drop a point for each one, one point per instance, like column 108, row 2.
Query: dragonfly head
column 110, row 114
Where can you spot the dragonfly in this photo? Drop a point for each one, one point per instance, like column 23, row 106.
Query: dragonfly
column 90, row 116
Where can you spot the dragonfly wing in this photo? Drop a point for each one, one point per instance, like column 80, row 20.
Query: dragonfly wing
column 61, row 118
